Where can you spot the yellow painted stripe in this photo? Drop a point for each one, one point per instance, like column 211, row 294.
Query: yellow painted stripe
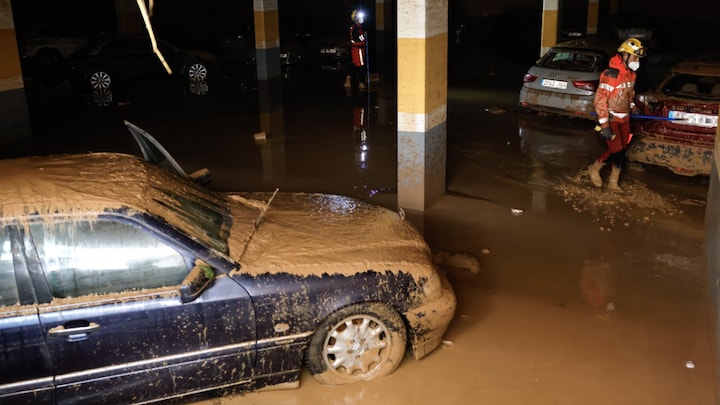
column 379, row 15
column 548, row 36
column 267, row 32
column 10, row 72
column 422, row 74
column 593, row 16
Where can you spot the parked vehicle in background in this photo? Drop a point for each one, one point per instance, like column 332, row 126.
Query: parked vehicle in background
column 635, row 26
column 683, row 117
column 106, row 61
column 44, row 47
column 565, row 79
column 124, row 280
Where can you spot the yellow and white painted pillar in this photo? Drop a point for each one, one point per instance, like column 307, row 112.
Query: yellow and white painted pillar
column 593, row 17
column 267, row 56
column 15, row 133
column 422, row 101
column 549, row 30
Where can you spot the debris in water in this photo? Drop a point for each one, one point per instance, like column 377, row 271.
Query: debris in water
column 689, row 364
column 517, row 211
column 448, row 342
column 610, row 306
column 494, row 110
column 461, row 260
column 485, row 251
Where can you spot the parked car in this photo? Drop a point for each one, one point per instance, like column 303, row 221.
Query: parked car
column 565, row 79
column 44, row 47
column 109, row 60
column 126, row 281
column 682, row 118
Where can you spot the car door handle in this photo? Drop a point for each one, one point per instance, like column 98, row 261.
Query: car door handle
column 73, row 333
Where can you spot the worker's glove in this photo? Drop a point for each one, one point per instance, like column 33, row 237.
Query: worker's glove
column 606, row 133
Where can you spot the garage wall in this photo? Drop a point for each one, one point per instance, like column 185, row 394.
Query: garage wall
column 14, row 118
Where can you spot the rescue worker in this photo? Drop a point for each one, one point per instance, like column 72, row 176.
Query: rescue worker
column 358, row 50
column 614, row 102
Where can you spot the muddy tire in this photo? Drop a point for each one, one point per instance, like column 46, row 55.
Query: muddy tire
column 360, row 342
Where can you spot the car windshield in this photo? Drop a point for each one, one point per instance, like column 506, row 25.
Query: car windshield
column 693, row 87
column 195, row 211
column 572, row 59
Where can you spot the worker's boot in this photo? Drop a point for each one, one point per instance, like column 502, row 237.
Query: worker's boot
column 613, row 180
column 348, row 81
column 594, row 171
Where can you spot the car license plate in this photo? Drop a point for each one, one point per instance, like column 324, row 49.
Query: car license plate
column 555, row 84
column 698, row 120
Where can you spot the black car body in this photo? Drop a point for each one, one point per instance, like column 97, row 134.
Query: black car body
column 104, row 62
column 125, row 283
column 45, row 47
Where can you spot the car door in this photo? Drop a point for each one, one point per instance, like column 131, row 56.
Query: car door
column 116, row 328
column 26, row 371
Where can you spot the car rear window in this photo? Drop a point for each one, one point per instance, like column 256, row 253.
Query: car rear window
column 573, row 59
column 693, row 87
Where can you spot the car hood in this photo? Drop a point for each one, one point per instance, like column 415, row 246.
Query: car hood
column 320, row 233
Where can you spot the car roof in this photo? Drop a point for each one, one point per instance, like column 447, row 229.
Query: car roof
column 89, row 184
column 587, row 43
column 706, row 64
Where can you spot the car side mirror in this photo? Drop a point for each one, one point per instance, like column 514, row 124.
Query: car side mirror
column 198, row 280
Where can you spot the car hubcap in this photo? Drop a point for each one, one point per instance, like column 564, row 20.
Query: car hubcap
column 100, row 80
column 197, row 71
column 357, row 345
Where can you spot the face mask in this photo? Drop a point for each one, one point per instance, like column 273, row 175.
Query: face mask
column 634, row 66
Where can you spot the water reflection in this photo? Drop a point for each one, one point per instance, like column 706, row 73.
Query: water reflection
column 559, row 142
column 104, row 97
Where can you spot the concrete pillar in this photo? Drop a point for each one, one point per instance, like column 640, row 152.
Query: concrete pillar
column 422, row 101
column 267, row 56
column 378, row 57
column 15, row 133
column 128, row 18
column 549, row 30
column 592, row 17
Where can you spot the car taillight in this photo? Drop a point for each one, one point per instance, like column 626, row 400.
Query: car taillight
column 529, row 78
column 589, row 85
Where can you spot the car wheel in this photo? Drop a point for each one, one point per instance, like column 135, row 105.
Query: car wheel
column 360, row 342
column 99, row 80
column 197, row 72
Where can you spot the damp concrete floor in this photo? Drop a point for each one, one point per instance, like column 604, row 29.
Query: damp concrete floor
column 584, row 296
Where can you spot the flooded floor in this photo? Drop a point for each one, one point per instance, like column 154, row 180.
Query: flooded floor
column 583, row 296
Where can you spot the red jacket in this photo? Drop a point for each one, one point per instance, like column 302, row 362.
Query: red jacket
column 357, row 42
column 616, row 91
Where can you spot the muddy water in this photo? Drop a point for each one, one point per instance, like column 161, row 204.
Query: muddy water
column 583, row 296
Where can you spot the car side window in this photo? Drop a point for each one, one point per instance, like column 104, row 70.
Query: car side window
column 8, row 287
column 103, row 257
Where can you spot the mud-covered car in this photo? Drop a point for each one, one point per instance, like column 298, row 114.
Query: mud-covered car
column 564, row 80
column 123, row 280
column 681, row 118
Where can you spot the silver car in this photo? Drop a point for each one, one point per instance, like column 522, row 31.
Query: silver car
column 564, row 80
